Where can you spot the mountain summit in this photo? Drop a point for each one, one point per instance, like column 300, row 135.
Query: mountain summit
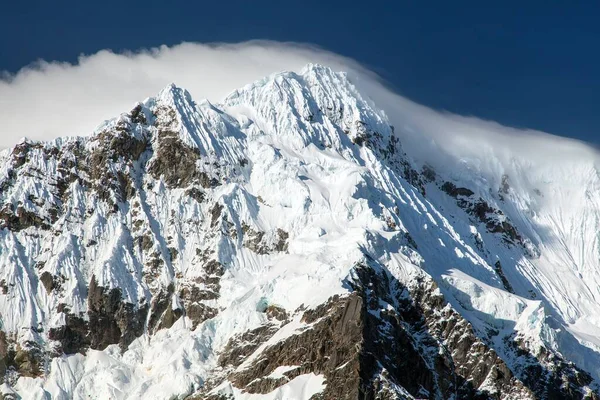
column 284, row 245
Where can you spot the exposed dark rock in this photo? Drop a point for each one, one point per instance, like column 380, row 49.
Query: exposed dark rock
column 361, row 135
column 146, row 242
column 500, row 272
column 173, row 160
column 137, row 115
column 276, row 312
column 195, row 194
column 506, row 228
column 193, row 297
column 20, row 152
column 282, row 243
column 478, row 241
column 73, row 336
column 4, row 361
column 494, row 219
column 367, row 351
column 199, row 312
column 215, row 213
column 206, row 181
column 429, row 173
column 20, row 219
column 454, row 191
column 125, row 189
column 170, row 317
column 153, row 267
column 391, row 224
column 48, row 281
column 113, row 145
column 173, row 253
column 257, row 242
column 111, row 320
column 72, row 166
column 360, row 138
column 549, row 376
column 161, row 302
column 122, row 143
column 480, row 209
column 162, row 313
column 410, row 241
column 175, row 163
column 331, row 346
column 390, row 151
column 253, row 240
column 213, row 267
column 413, row 177
column 26, row 360
column 410, row 332
column 241, row 346
column 194, row 293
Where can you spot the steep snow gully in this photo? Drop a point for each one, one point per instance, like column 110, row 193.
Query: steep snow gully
column 288, row 243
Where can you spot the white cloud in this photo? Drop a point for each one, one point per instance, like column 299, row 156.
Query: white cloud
column 51, row 99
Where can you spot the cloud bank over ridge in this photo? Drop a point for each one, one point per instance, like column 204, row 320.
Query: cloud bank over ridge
column 51, row 99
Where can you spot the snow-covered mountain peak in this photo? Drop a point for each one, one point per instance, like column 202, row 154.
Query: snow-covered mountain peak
column 204, row 244
column 317, row 106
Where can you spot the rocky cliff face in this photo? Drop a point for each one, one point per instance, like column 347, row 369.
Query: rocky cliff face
column 377, row 343
column 279, row 245
column 388, row 341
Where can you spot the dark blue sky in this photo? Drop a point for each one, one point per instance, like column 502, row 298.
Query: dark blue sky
column 527, row 64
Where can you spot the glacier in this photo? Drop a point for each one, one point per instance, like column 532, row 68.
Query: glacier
column 292, row 242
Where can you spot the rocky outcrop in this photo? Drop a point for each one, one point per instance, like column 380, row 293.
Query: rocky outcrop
column 549, row 375
column 386, row 340
column 20, row 218
column 72, row 337
column 173, row 160
column 261, row 243
column 50, row 282
column 20, row 359
column 162, row 314
column 500, row 272
column 330, row 345
column 118, row 145
column 451, row 189
column 494, row 219
column 241, row 346
column 380, row 341
column 111, row 320
column 415, row 340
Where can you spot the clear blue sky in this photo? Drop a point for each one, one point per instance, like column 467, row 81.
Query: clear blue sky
column 527, row 64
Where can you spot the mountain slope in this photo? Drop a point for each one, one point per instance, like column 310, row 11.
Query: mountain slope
column 282, row 243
